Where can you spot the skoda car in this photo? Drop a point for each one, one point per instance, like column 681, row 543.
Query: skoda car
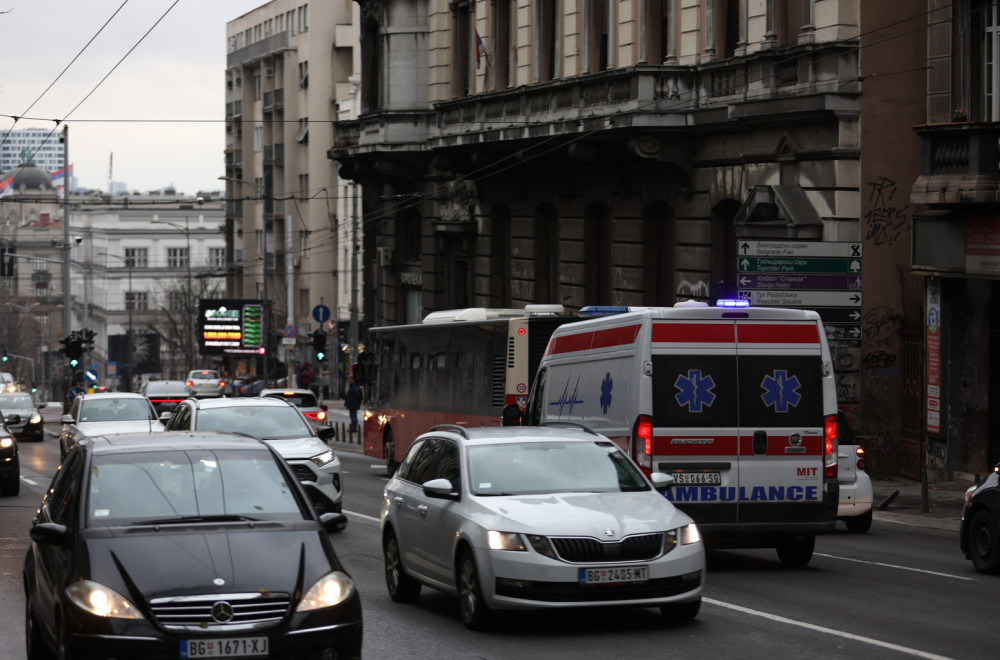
column 536, row 518
column 283, row 426
column 185, row 545
column 20, row 412
column 205, row 383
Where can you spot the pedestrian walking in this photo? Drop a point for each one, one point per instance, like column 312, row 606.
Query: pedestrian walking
column 352, row 401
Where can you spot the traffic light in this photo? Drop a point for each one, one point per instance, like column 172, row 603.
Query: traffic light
column 5, row 358
column 72, row 348
column 319, row 343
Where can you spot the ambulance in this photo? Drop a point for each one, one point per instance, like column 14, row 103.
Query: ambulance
column 737, row 403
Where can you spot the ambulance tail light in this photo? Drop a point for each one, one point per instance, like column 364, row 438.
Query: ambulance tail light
column 830, row 447
column 862, row 463
column 642, row 443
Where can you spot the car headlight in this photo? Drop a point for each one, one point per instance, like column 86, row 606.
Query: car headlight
column 35, row 419
column 504, row 541
column 331, row 589
column 324, row 458
column 6, row 442
column 690, row 534
column 968, row 493
column 100, row 600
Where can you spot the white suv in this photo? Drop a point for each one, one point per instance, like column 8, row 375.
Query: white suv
column 856, row 496
column 205, row 383
column 281, row 425
column 536, row 518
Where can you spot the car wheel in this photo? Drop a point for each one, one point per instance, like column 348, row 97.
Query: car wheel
column 402, row 588
column 35, row 645
column 984, row 543
column 390, row 454
column 11, row 485
column 471, row 606
column 859, row 524
column 681, row 611
column 796, row 550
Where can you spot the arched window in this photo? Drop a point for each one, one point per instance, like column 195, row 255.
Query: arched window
column 599, row 239
column 658, row 255
column 500, row 255
column 546, row 254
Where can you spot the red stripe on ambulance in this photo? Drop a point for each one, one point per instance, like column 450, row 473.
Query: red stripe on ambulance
column 770, row 333
column 694, row 332
column 585, row 341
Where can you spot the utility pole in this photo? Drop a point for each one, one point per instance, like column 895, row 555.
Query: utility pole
column 67, row 294
column 354, row 276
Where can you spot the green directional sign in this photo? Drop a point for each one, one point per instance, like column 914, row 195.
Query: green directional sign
column 799, row 265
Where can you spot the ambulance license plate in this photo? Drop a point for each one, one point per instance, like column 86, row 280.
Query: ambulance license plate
column 224, row 648
column 698, row 478
column 614, row 574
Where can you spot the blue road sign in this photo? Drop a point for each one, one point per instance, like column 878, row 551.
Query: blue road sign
column 321, row 313
column 91, row 375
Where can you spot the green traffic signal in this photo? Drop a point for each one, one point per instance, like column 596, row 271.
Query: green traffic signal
column 320, row 356
column 73, row 362
column 5, row 358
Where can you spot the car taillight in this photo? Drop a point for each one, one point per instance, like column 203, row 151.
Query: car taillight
column 189, row 383
column 321, row 415
column 642, row 443
column 830, row 447
column 222, row 383
column 861, row 458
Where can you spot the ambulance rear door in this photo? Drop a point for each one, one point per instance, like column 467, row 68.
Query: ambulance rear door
column 695, row 405
column 781, row 404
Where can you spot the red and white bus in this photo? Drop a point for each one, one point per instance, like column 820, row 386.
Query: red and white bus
column 456, row 367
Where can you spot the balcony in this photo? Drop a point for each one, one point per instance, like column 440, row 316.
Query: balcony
column 274, row 154
column 959, row 164
column 274, row 99
column 271, row 45
column 234, row 158
column 234, row 109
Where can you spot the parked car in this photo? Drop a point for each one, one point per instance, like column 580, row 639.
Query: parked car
column 21, row 415
column 250, row 386
column 101, row 413
column 856, row 493
column 167, row 545
column 534, row 518
column 165, row 394
column 284, row 427
column 10, row 463
column 205, row 383
column 979, row 536
column 304, row 400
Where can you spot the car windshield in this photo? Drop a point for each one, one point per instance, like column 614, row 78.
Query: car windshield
column 264, row 422
column 171, row 485
column 204, row 375
column 300, row 399
column 16, row 402
column 115, row 409
column 541, row 467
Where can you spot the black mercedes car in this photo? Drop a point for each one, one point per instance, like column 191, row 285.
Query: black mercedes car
column 20, row 412
column 979, row 536
column 184, row 545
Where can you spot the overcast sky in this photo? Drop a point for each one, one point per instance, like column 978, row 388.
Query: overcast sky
column 160, row 112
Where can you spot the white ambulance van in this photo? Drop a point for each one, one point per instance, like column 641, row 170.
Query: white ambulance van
column 737, row 403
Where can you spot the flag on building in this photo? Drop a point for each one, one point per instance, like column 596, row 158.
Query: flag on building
column 6, row 186
column 59, row 177
column 480, row 48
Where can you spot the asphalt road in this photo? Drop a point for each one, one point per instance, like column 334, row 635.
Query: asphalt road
column 900, row 591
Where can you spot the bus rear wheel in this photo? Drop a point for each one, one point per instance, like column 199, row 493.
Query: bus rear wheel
column 390, row 454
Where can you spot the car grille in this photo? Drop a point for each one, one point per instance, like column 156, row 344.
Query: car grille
column 588, row 549
column 302, row 472
column 208, row 610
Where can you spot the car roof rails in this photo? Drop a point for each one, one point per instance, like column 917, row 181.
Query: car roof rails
column 461, row 430
column 573, row 424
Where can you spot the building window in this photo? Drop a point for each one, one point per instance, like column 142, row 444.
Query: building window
column 547, row 39
column 598, row 36
column 136, row 257
column 502, row 38
column 290, row 21
column 257, row 138
column 217, row 257
column 304, row 186
column 599, row 243
column 303, row 74
column 136, row 300
column 546, row 254
column 257, row 86
column 176, row 300
column 302, row 136
column 462, row 46
column 371, row 63
column 500, row 255
column 303, row 18
column 991, row 66
column 304, row 241
column 177, row 257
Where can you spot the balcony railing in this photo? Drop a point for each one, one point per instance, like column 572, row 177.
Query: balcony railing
column 274, row 154
column 268, row 46
column 274, row 99
column 959, row 164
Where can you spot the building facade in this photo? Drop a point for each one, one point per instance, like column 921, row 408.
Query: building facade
column 288, row 63
column 40, row 145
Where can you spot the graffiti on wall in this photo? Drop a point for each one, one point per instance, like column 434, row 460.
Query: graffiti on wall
column 881, row 325
column 886, row 221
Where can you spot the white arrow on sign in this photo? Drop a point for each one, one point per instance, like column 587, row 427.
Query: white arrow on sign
column 856, row 316
column 804, row 298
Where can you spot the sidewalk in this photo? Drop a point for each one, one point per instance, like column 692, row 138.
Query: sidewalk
column 903, row 502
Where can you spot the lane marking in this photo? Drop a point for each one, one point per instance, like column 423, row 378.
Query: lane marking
column 829, row 631
column 896, row 566
column 361, row 515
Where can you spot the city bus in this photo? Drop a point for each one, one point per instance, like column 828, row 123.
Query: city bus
column 456, row 367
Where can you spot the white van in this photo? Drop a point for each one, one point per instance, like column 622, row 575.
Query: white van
column 737, row 403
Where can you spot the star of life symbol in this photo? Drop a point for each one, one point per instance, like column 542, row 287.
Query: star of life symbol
column 606, row 386
column 567, row 399
column 781, row 390
column 695, row 390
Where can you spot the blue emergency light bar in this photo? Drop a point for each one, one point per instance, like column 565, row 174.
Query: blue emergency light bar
column 594, row 311
column 732, row 302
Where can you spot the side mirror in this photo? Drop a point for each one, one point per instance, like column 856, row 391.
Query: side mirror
column 511, row 415
column 662, row 481
column 326, row 433
column 440, row 489
column 68, row 419
column 333, row 522
column 49, row 533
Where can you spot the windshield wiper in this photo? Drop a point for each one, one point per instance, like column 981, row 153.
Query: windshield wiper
column 180, row 520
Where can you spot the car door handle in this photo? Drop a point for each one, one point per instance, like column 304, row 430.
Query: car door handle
column 422, row 509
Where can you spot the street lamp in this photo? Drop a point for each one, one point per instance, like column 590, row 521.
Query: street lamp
column 130, row 304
